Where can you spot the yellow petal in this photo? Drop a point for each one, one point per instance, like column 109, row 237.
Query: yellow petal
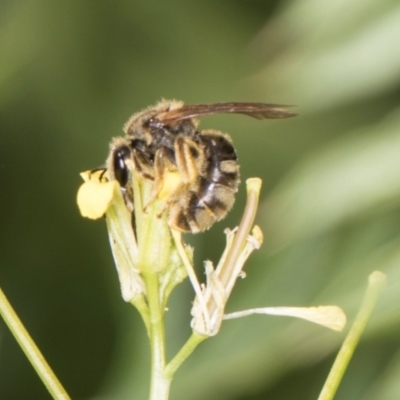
column 95, row 197
column 329, row 316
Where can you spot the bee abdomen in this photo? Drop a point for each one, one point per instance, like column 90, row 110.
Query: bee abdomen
column 209, row 199
column 225, row 173
column 199, row 210
column 222, row 164
column 217, row 196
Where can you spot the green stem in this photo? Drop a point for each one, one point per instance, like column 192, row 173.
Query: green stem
column 140, row 303
column 160, row 383
column 186, row 350
column 376, row 282
column 30, row 349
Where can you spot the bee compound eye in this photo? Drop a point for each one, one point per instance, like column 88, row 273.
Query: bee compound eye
column 121, row 171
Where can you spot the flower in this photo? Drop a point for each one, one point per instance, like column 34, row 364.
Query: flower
column 152, row 246
column 140, row 247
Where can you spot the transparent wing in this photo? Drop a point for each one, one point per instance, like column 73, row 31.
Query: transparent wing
column 255, row 110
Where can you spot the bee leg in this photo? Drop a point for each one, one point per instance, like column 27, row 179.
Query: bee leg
column 140, row 166
column 166, row 180
column 158, row 172
column 170, row 178
column 189, row 159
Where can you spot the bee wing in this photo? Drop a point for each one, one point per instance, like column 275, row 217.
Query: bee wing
column 255, row 110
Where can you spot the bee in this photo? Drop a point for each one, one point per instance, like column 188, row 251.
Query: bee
column 195, row 171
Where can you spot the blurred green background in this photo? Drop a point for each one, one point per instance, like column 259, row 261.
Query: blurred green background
column 73, row 72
